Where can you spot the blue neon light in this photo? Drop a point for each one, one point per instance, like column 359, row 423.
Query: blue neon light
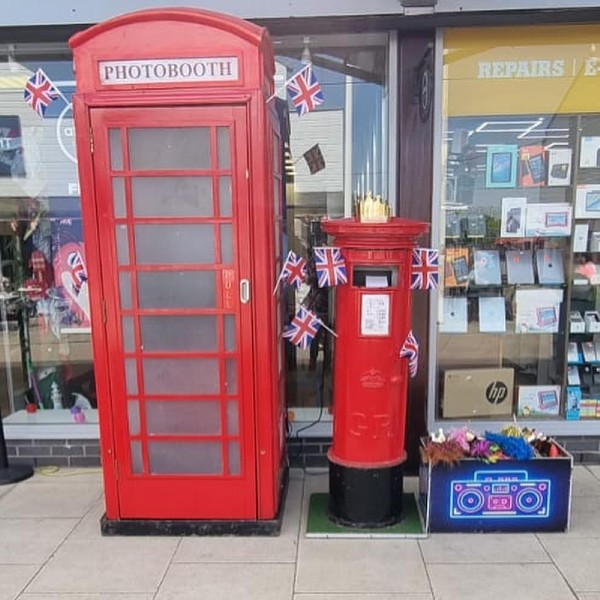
column 500, row 494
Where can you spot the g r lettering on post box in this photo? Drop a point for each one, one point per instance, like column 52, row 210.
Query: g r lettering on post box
column 172, row 70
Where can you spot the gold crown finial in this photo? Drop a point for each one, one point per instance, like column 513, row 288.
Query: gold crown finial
column 372, row 210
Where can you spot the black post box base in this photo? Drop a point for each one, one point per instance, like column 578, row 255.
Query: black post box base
column 15, row 473
column 365, row 498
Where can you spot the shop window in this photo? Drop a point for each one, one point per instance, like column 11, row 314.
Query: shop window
column 46, row 357
column 333, row 154
column 517, row 323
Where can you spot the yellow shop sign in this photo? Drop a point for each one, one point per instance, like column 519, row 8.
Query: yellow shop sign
column 522, row 70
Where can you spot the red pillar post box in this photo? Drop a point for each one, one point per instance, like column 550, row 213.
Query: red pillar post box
column 373, row 319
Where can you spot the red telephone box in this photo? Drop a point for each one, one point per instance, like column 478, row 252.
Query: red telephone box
column 373, row 319
column 180, row 177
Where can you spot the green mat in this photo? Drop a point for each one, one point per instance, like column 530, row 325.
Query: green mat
column 319, row 525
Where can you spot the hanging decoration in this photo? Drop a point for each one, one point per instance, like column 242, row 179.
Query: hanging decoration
column 330, row 266
column 410, row 350
column 425, row 269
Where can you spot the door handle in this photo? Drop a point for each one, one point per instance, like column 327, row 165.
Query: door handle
column 244, row 291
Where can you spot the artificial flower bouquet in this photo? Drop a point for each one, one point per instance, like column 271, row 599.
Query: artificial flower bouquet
column 513, row 442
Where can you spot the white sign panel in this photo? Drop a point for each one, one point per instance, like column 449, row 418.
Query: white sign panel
column 168, row 70
column 375, row 314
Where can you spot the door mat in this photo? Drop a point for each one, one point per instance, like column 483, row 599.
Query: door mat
column 319, row 525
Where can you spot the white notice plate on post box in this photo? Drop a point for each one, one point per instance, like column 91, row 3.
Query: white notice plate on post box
column 375, row 314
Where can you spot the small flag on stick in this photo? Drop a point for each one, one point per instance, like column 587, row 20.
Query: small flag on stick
column 40, row 92
column 410, row 350
column 303, row 328
column 305, row 91
column 293, row 270
column 330, row 266
column 314, row 159
column 425, row 269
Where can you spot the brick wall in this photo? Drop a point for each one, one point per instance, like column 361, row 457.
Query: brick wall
column 302, row 452
column 60, row 453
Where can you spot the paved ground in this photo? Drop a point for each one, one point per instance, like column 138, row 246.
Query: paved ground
column 51, row 549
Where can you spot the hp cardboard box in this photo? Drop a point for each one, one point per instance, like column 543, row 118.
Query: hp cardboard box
column 478, row 393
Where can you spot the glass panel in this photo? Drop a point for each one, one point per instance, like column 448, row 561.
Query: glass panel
column 229, row 322
column 119, row 208
column 172, row 196
column 353, row 143
column 116, row 150
column 122, row 244
column 185, row 457
column 179, row 333
column 131, row 376
column 133, row 414
column 225, row 196
column 174, row 244
column 223, row 147
column 177, row 289
column 125, row 290
column 226, row 244
column 231, row 377
column 181, row 376
column 128, row 335
column 233, row 455
column 183, row 417
column 137, row 463
column 232, row 417
column 169, row 148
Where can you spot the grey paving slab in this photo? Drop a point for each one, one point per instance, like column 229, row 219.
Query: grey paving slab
column 88, row 528
column 13, row 578
column 87, row 597
column 228, row 582
column 459, row 548
column 4, row 489
column 65, row 475
column 31, row 541
column 484, row 580
column 585, row 519
column 282, row 548
column 108, row 565
column 588, row 596
column 594, row 470
column 49, row 500
column 360, row 566
column 363, row 597
column 578, row 561
column 585, row 483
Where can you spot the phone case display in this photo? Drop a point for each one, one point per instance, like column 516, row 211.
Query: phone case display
column 517, row 238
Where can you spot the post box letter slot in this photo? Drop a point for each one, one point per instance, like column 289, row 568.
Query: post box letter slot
column 375, row 277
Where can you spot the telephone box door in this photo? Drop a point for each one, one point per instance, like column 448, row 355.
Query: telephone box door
column 173, row 223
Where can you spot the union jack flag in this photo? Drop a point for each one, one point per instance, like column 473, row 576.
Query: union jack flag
column 425, row 269
column 303, row 328
column 305, row 91
column 79, row 274
column 40, row 92
column 410, row 350
column 330, row 266
column 294, row 269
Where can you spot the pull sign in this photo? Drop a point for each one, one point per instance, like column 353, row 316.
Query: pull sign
column 228, row 291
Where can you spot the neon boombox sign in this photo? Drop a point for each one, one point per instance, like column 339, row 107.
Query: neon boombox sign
column 500, row 494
